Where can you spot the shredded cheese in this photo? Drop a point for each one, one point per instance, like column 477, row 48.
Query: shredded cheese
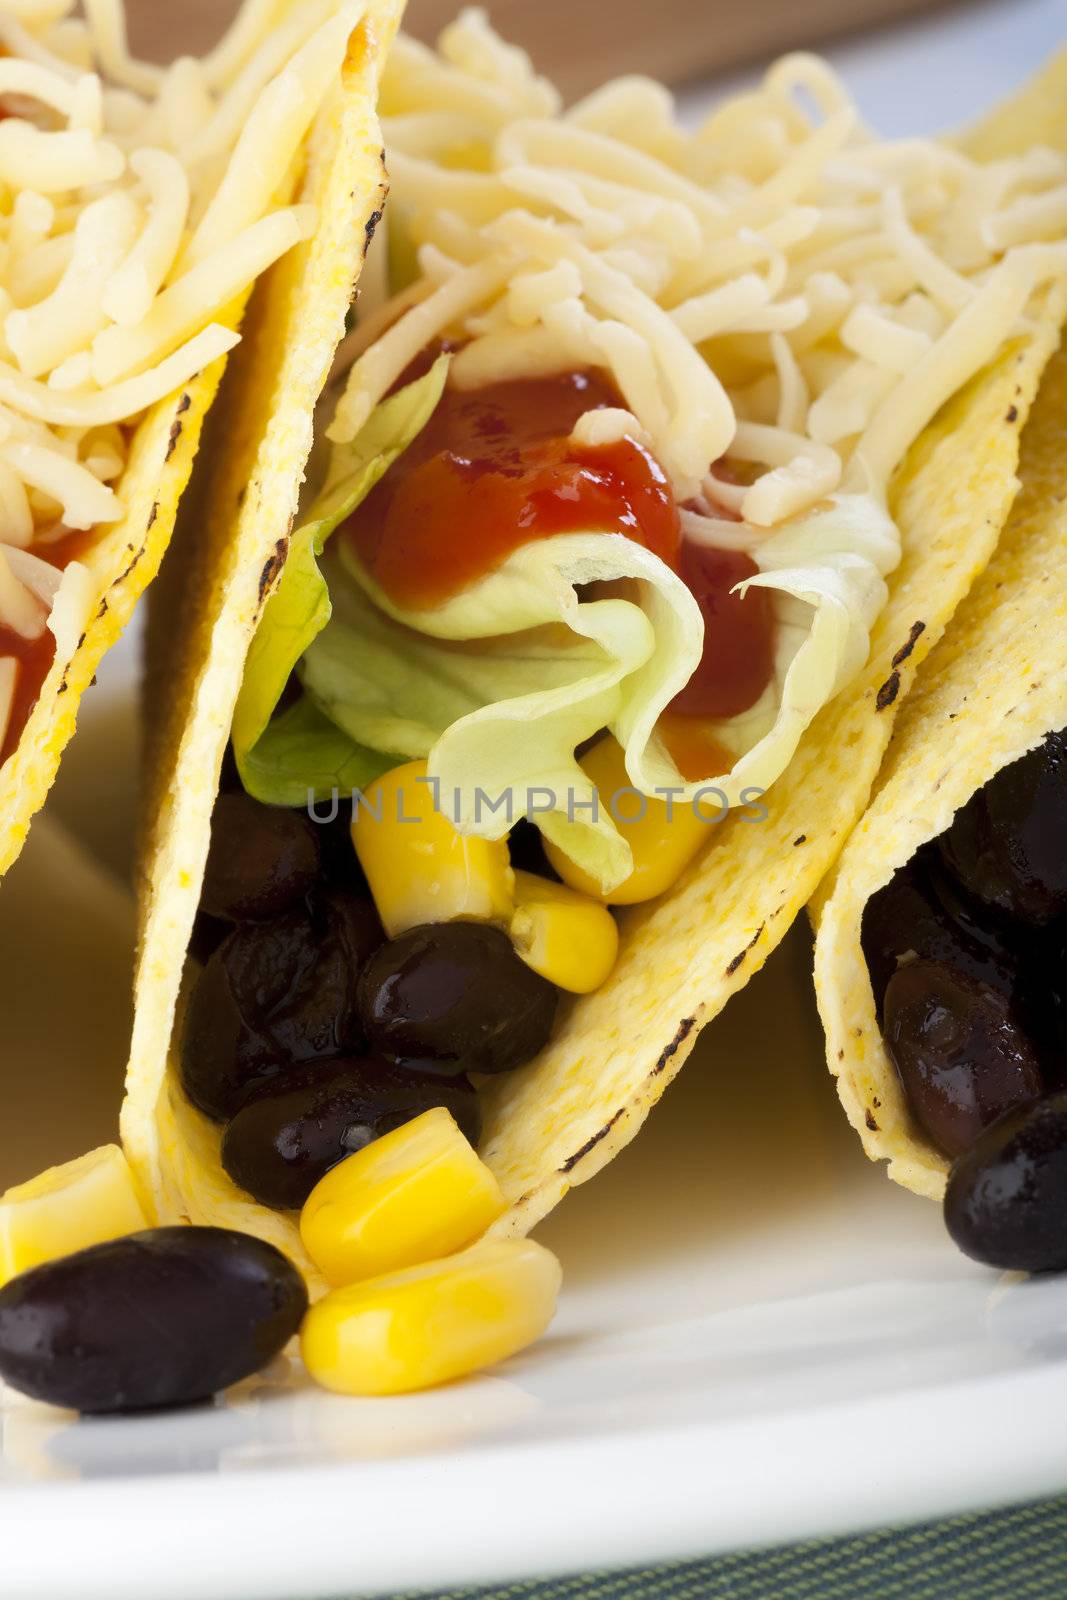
column 781, row 288
column 136, row 202
column 782, row 285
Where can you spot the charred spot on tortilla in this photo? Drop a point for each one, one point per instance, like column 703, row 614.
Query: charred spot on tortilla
column 800, row 839
column 272, row 566
column 1013, row 414
column 152, row 515
column 685, row 1028
column 175, row 435
column 370, row 227
column 591, row 1144
column 870, row 1121
column 905, row 650
column 888, row 692
column 732, row 966
column 137, row 554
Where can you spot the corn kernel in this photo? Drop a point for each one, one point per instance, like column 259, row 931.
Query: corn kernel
column 415, row 1194
column 68, row 1208
column 430, row 1324
column 565, row 936
column 419, row 868
column 663, row 836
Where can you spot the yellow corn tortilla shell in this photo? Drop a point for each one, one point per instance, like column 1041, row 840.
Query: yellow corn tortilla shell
column 122, row 562
column 229, row 549
column 991, row 691
column 558, row 1121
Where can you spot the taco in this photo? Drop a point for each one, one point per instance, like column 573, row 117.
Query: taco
column 653, row 465
column 939, row 960
column 140, row 205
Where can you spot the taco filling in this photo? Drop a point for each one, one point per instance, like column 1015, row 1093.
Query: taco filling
column 965, row 950
column 597, row 523
column 965, row 947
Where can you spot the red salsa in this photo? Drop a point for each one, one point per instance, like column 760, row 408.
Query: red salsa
column 35, row 656
column 496, row 467
column 738, row 657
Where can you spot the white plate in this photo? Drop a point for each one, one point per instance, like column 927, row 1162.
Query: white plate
column 760, row 1338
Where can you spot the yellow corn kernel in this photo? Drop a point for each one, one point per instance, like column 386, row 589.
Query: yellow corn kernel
column 430, row 1324
column 67, row 1208
column 566, row 937
column 663, row 835
column 415, row 1194
column 418, row 867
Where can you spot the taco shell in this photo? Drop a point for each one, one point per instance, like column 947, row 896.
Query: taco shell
column 122, row 560
column 992, row 690
column 230, row 549
column 556, row 1122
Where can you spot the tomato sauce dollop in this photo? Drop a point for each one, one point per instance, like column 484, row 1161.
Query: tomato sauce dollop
column 35, row 656
column 496, row 467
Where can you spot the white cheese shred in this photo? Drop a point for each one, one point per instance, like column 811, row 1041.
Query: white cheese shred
column 783, row 285
column 783, row 299
column 136, row 203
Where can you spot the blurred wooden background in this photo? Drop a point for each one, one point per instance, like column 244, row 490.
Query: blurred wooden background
column 580, row 43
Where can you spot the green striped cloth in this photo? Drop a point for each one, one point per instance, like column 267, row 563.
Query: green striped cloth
column 1016, row 1554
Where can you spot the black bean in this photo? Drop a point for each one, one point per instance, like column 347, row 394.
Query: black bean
column 208, row 933
column 262, row 861
column 287, row 1137
column 920, row 914
column 959, row 1050
column 161, row 1318
column 455, row 993
column 526, row 848
column 1006, row 846
column 1006, row 1201
column 274, row 994
column 340, row 864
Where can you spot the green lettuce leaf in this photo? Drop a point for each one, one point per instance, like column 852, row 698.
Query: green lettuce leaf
column 282, row 760
column 500, row 685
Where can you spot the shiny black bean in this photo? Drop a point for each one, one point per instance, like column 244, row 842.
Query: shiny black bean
column 921, row 914
column 455, row 993
column 208, row 933
column 1006, row 1201
column 959, row 1051
column 1050, row 972
column 161, row 1318
column 287, row 1137
column 340, row 864
column 262, row 861
column 274, row 994
column 526, row 848
column 1006, row 846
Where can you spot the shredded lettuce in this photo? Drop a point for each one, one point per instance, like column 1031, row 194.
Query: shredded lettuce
column 300, row 753
column 502, row 683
